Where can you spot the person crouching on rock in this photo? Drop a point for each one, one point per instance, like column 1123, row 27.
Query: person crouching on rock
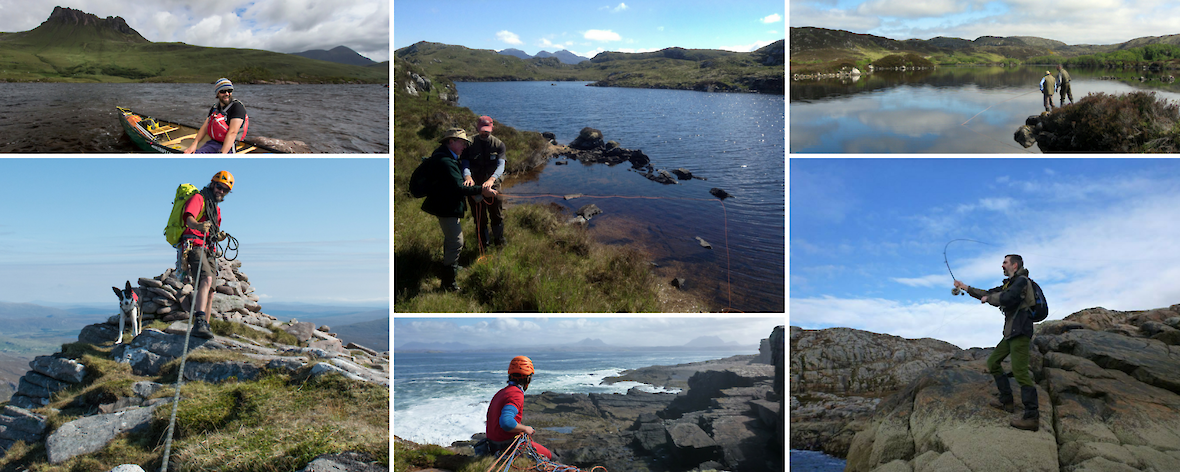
column 1016, row 300
column 447, row 200
column 507, row 409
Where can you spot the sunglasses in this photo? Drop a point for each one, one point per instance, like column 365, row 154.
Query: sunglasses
column 221, row 187
column 225, row 91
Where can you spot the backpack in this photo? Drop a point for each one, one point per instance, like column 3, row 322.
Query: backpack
column 423, row 179
column 1040, row 310
column 176, row 226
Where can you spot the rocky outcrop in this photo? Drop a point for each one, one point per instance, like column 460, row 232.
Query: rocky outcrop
column 1108, row 391
column 72, row 17
column 838, row 376
column 1134, row 122
column 48, row 375
column 92, row 433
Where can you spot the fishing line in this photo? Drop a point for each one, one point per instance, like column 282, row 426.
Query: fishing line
column 964, row 124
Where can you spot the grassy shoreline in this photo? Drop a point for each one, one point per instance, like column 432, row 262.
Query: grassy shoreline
column 547, row 265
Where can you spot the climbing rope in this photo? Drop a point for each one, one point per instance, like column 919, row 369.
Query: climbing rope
column 724, row 216
column 180, row 374
column 522, row 446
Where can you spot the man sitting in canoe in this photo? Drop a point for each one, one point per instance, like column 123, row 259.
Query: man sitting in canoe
column 223, row 123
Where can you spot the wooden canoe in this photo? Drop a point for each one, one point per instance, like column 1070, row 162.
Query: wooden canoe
column 169, row 137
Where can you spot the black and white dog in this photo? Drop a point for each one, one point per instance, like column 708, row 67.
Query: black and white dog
column 128, row 307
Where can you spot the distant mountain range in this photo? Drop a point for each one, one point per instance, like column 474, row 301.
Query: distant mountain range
column 338, row 54
column 563, row 55
column 703, row 342
column 807, row 42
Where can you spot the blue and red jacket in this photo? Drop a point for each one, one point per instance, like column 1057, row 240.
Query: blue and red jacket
column 505, row 412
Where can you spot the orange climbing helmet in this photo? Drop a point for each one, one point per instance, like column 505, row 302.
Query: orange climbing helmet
column 520, row 365
column 224, row 177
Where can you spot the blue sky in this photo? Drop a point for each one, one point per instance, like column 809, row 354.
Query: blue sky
column 1080, row 22
column 272, row 25
column 310, row 230
column 587, row 28
column 867, row 237
column 664, row 331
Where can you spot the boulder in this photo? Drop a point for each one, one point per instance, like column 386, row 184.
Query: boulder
column 588, row 139
column 92, row 433
column 215, row 372
column 589, row 211
column 127, row 468
column 14, row 418
column 302, row 330
column 65, row 370
column 662, row 176
column 691, row 445
column 334, row 345
column 703, row 243
column 344, row 462
column 682, row 174
column 719, row 193
column 99, row 333
column 146, row 388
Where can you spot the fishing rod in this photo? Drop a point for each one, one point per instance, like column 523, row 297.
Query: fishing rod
column 956, row 291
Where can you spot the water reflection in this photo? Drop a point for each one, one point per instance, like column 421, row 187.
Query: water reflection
column 925, row 111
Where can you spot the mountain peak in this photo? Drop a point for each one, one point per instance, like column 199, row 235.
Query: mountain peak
column 72, row 17
column 338, row 54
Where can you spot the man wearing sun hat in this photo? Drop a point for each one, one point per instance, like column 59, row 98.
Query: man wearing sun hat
column 1048, row 88
column 483, row 165
column 222, row 123
column 447, row 199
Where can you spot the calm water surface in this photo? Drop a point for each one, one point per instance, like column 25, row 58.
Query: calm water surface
column 815, row 461
column 924, row 111
column 81, row 118
column 734, row 140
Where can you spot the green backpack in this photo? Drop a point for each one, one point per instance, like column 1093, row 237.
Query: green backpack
column 176, row 226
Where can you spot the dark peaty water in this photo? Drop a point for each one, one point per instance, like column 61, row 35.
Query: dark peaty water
column 81, row 118
column 737, row 141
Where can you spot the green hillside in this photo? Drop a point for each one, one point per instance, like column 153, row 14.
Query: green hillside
column 674, row 68
column 63, row 49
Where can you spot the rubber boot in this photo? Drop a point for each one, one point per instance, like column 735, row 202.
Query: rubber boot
column 200, row 327
column 1005, row 401
column 448, row 276
column 1031, row 419
column 498, row 235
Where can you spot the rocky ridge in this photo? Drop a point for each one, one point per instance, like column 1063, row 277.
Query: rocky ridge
column 232, row 357
column 1109, row 391
column 839, row 375
column 730, row 417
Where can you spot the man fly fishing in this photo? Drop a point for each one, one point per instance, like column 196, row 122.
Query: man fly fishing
column 1016, row 299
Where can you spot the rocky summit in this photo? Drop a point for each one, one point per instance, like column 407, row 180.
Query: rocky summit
column 1109, row 395
column 247, row 345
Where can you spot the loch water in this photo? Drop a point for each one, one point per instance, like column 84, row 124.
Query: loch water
column 925, row 111
column 736, row 141
column 81, row 118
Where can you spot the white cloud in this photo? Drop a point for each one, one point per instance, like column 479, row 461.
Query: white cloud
column 508, row 37
column 660, row 28
column 772, row 18
column 925, row 281
column 621, row 7
column 601, row 35
column 910, row 8
column 591, row 53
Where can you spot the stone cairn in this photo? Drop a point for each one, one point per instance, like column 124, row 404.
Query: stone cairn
column 167, row 298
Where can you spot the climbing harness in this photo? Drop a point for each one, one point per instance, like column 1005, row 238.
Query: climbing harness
column 964, row 124
column 180, row 373
column 523, row 447
column 956, row 291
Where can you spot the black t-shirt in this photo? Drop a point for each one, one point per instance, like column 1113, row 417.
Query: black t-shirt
column 235, row 110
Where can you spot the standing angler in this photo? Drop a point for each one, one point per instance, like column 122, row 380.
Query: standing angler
column 1063, row 81
column 1016, row 300
column 1048, row 88
column 483, row 165
column 446, row 197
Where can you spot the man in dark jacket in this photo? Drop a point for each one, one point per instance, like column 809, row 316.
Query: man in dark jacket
column 446, row 200
column 1063, row 81
column 1016, row 300
column 483, row 165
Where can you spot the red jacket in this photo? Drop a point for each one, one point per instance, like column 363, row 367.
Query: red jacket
column 509, row 395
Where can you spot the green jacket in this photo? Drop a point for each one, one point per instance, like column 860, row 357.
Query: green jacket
column 1063, row 78
column 447, row 198
column 1015, row 298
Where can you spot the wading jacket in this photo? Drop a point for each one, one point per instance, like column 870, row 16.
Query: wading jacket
column 1048, row 85
column 446, row 197
column 1015, row 299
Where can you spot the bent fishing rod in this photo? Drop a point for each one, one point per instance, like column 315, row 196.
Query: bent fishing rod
column 956, row 291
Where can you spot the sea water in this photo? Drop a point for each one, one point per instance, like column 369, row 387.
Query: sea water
column 815, row 461
column 439, row 398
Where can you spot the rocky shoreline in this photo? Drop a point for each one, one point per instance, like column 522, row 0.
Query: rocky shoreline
column 1108, row 383
column 728, row 417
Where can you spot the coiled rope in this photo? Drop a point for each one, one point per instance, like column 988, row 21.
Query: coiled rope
column 522, row 446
